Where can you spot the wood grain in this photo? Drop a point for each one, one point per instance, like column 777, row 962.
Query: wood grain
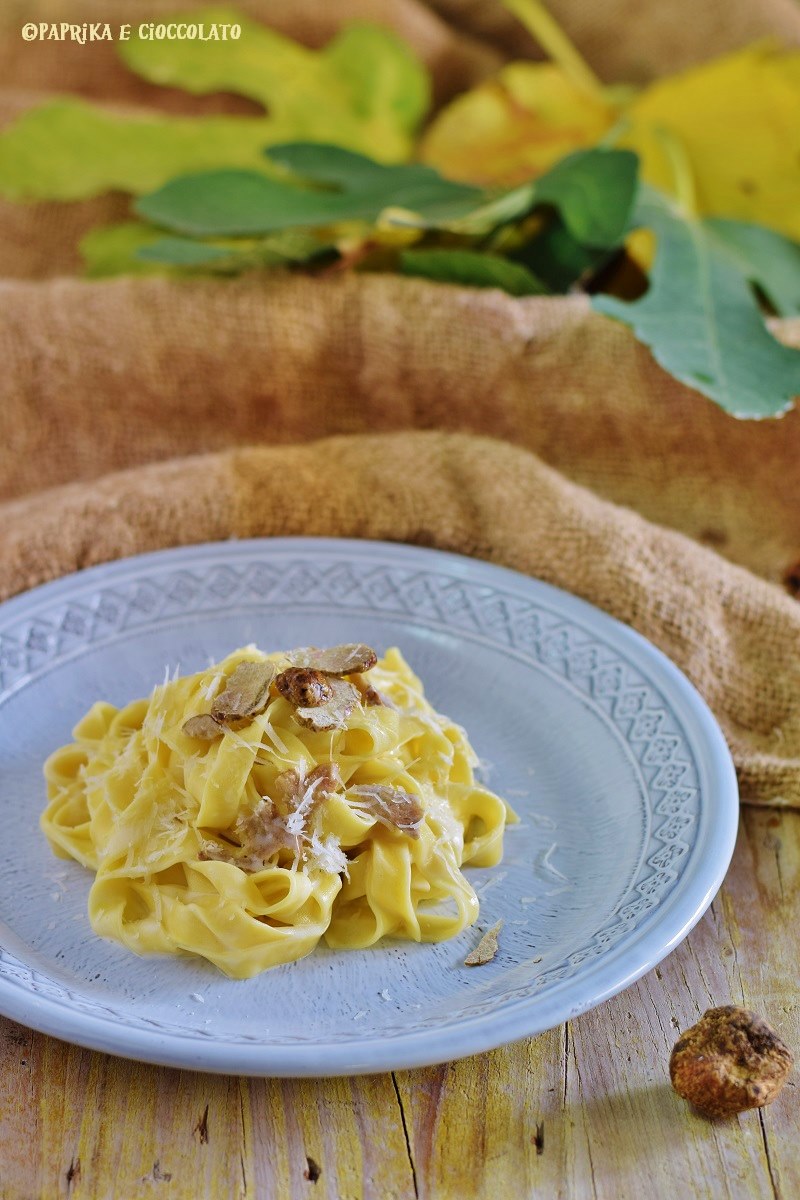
column 585, row 1110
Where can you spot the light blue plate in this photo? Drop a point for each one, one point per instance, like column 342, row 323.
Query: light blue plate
column 616, row 767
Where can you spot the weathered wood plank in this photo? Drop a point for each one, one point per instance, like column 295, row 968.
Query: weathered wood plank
column 762, row 903
column 618, row 1129
column 83, row 1125
column 20, row 1072
column 488, row 1125
column 351, row 1129
column 582, row 1112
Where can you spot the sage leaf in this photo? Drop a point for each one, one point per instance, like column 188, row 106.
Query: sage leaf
column 471, row 268
column 763, row 256
column 701, row 320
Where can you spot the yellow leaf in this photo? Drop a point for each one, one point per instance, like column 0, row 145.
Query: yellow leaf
column 737, row 120
column 641, row 247
column 734, row 122
column 515, row 126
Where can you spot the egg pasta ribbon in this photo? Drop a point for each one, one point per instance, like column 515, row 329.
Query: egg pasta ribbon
column 245, row 812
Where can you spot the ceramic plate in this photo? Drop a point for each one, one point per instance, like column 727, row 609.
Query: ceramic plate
column 624, row 786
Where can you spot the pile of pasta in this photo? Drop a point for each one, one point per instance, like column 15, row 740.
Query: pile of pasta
column 245, row 812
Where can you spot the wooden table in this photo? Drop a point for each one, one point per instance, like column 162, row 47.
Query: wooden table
column 583, row 1111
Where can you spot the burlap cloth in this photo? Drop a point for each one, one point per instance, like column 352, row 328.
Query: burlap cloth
column 145, row 413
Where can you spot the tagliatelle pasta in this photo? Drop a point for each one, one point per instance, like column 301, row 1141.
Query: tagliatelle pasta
column 245, row 812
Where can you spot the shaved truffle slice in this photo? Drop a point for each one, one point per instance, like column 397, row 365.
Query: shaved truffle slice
column 334, row 712
column 279, row 824
column 246, row 694
column 304, row 687
column 203, row 726
column 486, row 948
column 297, row 797
column 288, row 790
column 390, row 805
column 326, row 777
column 260, row 835
column 337, row 660
column 305, row 796
column 370, row 695
column 265, row 831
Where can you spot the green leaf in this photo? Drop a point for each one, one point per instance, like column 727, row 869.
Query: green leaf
column 497, row 211
column 319, row 163
column 280, row 250
column 184, row 252
column 328, row 165
column 594, row 191
column 388, row 84
column 69, row 149
column 470, row 219
column 407, row 185
column 232, row 203
column 763, row 256
column 113, row 250
column 471, row 268
column 134, row 248
column 262, row 64
column 240, row 203
column 701, row 320
column 559, row 260
column 323, row 95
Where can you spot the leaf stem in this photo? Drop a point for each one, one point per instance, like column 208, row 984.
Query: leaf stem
column 551, row 37
column 682, row 174
column 616, row 131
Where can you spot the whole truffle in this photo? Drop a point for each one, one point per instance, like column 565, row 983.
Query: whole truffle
column 731, row 1060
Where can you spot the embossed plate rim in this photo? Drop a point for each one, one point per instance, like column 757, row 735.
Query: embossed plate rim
column 595, row 979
